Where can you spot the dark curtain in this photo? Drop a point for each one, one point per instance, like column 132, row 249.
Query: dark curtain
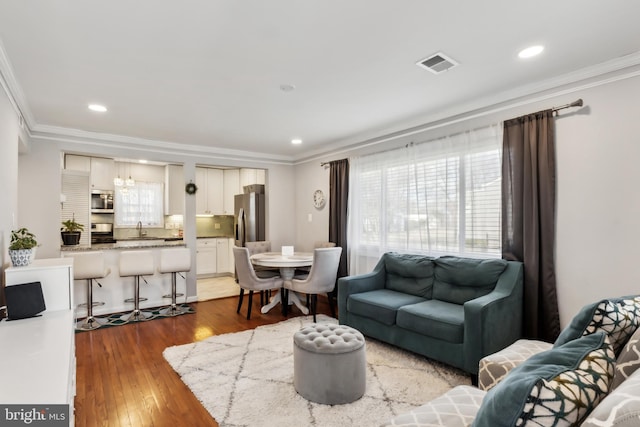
column 338, row 198
column 528, row 217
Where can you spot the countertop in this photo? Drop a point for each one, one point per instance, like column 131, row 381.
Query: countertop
column 125, row 244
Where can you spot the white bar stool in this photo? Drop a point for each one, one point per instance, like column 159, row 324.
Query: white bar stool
column 90, row 266
column 174, row 261
column 136, row 264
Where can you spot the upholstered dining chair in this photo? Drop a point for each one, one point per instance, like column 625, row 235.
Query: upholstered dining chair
column 248, row 280
column 321, row 278
column 259, row 248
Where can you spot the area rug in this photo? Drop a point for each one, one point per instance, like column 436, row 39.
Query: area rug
column 114, row 319
column 246, row 379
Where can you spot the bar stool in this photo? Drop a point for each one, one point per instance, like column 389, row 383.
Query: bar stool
column 90, row 266
column 174, row 261
column 136, row 264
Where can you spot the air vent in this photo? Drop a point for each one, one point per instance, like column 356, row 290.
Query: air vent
column 437, row 63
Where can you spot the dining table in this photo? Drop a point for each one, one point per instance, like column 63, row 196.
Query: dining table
column 287, row 265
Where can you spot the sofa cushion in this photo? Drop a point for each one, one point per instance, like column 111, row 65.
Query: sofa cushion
column 380, row 305
column 621, row 407
column 455, row 408
column 433, row 318
column 628, row 361
column 459, row 280
column 556, row 387
column 410, row 274
column 617, row 317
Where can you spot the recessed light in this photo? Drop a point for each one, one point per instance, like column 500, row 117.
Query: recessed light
column 296, row 141
column 98, row 108
column 143, row 161
column 531, row 51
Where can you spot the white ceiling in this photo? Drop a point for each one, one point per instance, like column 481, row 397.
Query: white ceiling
column 208, row 72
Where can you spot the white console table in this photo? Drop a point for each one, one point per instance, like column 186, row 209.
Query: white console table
column 38, row 358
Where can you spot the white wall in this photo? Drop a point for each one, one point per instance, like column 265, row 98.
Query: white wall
column 598, row 210
column 309, row 178
column 9, row 131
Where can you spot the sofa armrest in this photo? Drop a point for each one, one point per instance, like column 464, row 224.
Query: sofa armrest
column 456, row 408
column 356, row 284
column 494, row 321
column 494, row 367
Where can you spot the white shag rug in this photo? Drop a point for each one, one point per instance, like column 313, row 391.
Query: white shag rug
column 246, row 379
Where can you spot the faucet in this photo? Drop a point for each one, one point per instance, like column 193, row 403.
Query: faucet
column 139, row 228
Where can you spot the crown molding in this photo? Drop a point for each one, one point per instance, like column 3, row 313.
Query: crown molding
column 598, row 75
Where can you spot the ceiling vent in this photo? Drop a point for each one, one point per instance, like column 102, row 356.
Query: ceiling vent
column 437, row 63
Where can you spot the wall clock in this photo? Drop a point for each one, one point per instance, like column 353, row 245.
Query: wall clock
column 318, row 199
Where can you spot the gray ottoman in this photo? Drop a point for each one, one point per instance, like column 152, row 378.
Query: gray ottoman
column 329, row 363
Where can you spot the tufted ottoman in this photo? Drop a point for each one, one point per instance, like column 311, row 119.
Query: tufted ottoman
column 329, row 363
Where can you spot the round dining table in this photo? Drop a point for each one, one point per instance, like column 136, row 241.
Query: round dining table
column 287, row 265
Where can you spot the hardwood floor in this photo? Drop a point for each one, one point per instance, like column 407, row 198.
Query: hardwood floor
column 123, row 379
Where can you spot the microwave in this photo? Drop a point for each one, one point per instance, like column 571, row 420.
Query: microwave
column 101, row 201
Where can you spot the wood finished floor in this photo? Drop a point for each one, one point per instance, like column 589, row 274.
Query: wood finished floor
column 123, row 380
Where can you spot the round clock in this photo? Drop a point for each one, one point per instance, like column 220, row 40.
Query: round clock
column 318, row 199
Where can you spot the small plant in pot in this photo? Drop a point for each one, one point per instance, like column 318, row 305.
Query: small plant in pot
column 22, row 247
column 71, row 231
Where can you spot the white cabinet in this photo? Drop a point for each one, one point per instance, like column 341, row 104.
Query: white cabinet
column 77, row 163
column 174, row 190
column 231, row 188
column 54, row 274
column 102, row 173
column 209, row 197
column 252, row 176
column 206, row 259
column 222, row 255
column 38, row 361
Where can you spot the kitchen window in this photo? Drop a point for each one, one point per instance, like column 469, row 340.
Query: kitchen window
column 141, row 202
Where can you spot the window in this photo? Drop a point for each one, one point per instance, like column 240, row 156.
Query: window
column 438, row 197
column 141, row 202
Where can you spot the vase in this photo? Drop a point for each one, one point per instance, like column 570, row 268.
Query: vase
column 70, row 238
column 21, row 257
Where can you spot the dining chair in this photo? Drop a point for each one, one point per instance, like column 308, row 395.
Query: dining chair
column 259, row 248
column 321, row 278
column 247, row 278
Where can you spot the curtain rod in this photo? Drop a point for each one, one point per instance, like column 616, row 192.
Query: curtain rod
column 577, row 103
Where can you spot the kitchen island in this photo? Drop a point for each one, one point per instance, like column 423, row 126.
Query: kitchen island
column 116, row 289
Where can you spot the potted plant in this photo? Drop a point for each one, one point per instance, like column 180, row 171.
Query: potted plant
column 71, row 231
column 22, row 247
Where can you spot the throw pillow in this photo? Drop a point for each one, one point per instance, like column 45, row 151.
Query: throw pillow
column 558, row 387
column 617, row 317
column 628, row 360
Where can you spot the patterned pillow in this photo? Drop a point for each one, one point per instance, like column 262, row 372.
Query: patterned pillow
column 628, row 360
column 617, row 317
column 558, row 387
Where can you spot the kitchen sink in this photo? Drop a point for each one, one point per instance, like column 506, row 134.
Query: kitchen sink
column 129, row 243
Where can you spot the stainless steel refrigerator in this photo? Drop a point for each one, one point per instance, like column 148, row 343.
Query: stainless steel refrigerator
column 249, row 222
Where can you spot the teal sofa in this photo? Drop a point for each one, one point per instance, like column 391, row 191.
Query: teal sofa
column 451, row 309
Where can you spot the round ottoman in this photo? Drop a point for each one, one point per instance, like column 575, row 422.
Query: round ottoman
column 329, row 363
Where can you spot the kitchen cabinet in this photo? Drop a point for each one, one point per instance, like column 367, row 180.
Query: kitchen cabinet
column 231, row 188
column 174, row 190
column 102, row 173
column 206, row 259
column 252, row 176
column 209, row 197
column 77, row 163
column 222, row 256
